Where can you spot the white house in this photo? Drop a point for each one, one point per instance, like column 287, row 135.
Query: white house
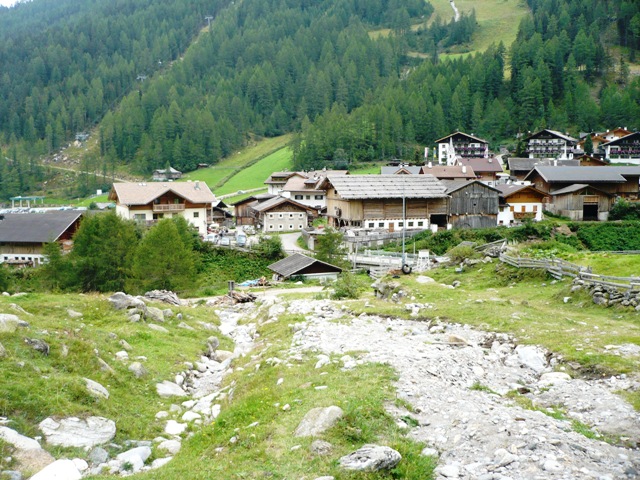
column 305, row 188
column 519, row 202
column 149, row 202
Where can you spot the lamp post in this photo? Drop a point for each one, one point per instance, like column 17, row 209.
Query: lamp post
column 404, row 218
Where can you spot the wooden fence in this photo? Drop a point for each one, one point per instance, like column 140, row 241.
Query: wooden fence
column 559, row 268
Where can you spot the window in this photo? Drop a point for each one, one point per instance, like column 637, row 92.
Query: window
column 280, row 215
column 318, row 197
column 535, row 208
column 271, row 215
column 512, row 208
column 308, row 197
column 410, row 224
column 290, row 227
column 401, row 224
column 381, row 224
column 420, row 224
column 371, row 225
column 523, row 209
column 271, row 227
column 300, row 226
column 176, row 201
column 196, row 214
column 298, row 197
column 139, row 217
column 301, row 215
column 280, row 227
column 291, row 215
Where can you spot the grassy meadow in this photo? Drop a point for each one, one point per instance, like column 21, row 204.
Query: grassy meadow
column 216, row 175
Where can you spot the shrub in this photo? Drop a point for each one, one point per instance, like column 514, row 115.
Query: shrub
column 461, row 253
column 348, row 285
column 625, row 210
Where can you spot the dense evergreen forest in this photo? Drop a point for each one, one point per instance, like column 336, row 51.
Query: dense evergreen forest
column 266, row 67
column 561, row 76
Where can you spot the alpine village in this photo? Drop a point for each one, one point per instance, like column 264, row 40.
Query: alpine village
column 320, row 240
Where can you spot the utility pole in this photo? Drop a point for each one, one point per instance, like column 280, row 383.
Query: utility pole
column 208, row 18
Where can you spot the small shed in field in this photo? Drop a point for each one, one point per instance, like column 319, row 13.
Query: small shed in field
column 582, row 202
column 307, row 267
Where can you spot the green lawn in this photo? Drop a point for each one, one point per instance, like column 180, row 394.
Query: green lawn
column 255, row 175
column 215, row 175
column 498, row 20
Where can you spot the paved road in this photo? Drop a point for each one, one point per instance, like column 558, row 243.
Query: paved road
column 290, row 242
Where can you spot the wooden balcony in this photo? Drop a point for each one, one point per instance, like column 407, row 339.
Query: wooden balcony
column 168, row 207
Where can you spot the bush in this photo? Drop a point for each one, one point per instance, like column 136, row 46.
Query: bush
column 600, row 236
column 348, row 285
column 548, row 249
column 625, row 210
column 461, row 253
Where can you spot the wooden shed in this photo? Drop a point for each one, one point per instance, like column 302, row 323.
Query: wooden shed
column 581, row 202
column 473, row 204
column 303, row 266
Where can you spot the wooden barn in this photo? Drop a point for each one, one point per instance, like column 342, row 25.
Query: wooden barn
column 375, row 201
column 473, row 204
column 581, row 202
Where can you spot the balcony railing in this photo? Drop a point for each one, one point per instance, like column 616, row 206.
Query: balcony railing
column 169, row 207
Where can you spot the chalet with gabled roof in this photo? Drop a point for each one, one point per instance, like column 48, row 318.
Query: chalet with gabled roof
column 304, row 266
column 520, row 202
column 281, row 214
column 551, row 144
column 623, row 150
column 277, row 180
column 459, row 144
column 306, row 187
column 149, row 202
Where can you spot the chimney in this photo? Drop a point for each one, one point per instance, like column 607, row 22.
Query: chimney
column 555, row 162
column 429, row 165
column 490, row 160
column 197, row 187
column 464, row 169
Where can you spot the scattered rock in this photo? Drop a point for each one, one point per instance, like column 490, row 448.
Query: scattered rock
column 170, row 446
column 318, row 420
column 371, row 458
column 125, row 345
column 133, row 460
column 96, row 389
column 97, row 456
column 170, row 389
column 320, row 447
column 59, row 470
column 3, row 351
column 73, row 314
column 138, row 370
column 174, row 428
column 157, row 328
column 32, row 460
column 18, row 440
column 38, row 345
column 74, row 432
column 105, row 367
column 553, row 378
column 121, row 301
column 155, row 314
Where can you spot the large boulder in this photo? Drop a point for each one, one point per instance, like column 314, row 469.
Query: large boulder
column 318, row 420
column 9, row 323
column 371, row 458
column 59, row 470
column 155, row 314
column 122, row 301
column 74, row 432
column 28, row 453
column 19, row 441
column 134, row 458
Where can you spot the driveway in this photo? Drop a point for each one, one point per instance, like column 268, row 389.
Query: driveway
column 290, row 243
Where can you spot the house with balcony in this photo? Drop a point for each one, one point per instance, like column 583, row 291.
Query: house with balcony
column 551, row 144
column 624, row 149
column 306, row 187
column 149, row 202
column 459, row 144
column 277, row 180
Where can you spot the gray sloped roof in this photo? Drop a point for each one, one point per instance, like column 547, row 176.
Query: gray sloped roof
column 481, row 164
column 595, row 174
column 454, row 185
column 528, row 164
column 444, row 139
column 274, row 202
column 353, row 187
column 626, row 138
column 36, row 227
column 412, row 169
column 555, row 133
column 297, row 262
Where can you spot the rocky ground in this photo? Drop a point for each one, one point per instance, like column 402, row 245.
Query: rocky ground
column 456, row 380
column 459, row 386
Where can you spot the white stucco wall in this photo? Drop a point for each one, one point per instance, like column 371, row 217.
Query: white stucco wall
column 200, row 222
column 506, row 216
column 284, row 221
